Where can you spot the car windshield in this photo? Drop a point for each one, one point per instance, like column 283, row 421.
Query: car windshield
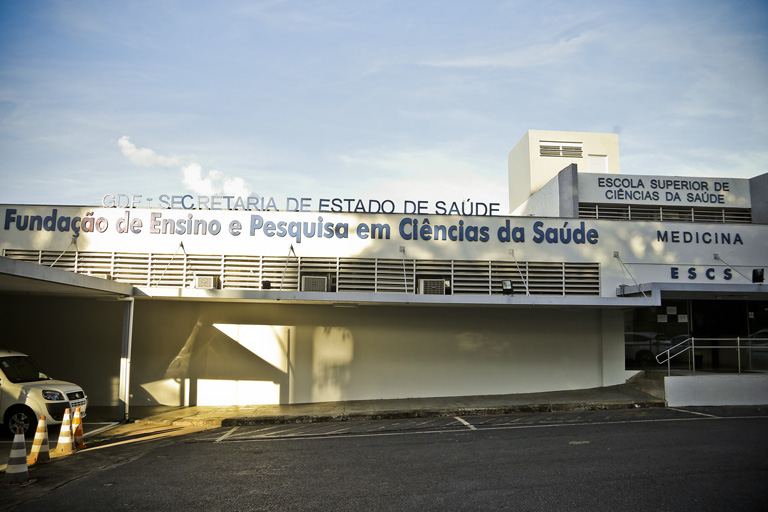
column 21, row 369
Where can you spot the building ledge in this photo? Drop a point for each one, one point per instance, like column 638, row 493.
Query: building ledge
column 22, row 277
column 713, row 290
column 342, row 299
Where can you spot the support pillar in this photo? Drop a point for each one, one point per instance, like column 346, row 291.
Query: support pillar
column 125, row 360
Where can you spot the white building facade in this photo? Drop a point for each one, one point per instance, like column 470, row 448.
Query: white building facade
column 242, row 301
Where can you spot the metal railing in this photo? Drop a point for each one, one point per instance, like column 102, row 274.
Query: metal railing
column 690, row 346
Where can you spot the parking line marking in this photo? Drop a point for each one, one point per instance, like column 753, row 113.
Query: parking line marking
column 694, row 412
column 311, row 437
column 466, row 423
column 93, row 432
column 226, row 435
column 336, row 431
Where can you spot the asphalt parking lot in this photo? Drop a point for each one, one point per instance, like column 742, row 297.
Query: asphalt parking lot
column 635, row 459
column 90, row 431
column 490, row 422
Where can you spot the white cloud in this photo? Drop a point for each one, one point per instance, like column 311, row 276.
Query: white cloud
column 212, row 183
column 235, row 187
column 194, row 181
column 145, row 157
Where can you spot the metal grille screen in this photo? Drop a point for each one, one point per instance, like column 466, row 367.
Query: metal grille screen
column 665, row 213
column 373, row 275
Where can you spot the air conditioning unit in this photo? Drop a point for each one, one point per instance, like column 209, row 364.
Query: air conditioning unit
column 207, row 282
column 432, row 286
column 314, row 284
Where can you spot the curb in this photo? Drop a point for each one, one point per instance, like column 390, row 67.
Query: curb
column 398, row 414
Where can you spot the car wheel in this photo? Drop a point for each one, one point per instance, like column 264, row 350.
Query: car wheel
column 20, row 417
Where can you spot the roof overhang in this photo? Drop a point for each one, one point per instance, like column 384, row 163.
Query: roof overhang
column 337, row 299
column 705, row 291
column 20, row 277
column 23, row 278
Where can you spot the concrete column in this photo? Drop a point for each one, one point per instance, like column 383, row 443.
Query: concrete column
column 125, row 360
column 612, row 353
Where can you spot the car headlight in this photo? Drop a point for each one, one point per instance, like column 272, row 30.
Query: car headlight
column 49, row 394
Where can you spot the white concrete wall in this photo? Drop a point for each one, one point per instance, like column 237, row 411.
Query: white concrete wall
column 716, row 390
column 372, row 352
column 651, row 250
column 211, row 354
column 613, row 353
column 317, row 353
column 529, row 171
column 545, row 203
column 519, row 171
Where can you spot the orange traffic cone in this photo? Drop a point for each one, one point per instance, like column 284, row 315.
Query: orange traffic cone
column 77, row 430
column 17, row 472
column 40, row 451
column 65, row 446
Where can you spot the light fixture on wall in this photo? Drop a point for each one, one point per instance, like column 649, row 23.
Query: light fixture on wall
column 506, row 287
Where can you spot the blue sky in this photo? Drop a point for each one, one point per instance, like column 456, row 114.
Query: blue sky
column 382, row 99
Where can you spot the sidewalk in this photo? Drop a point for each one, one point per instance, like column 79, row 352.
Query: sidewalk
column 614, row 397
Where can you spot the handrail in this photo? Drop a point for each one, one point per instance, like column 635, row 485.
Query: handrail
column 668, row 352
column 667, row 355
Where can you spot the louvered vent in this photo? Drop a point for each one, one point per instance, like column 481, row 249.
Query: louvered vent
column 665, row 213
column 314, row 284
column 344, row 275
column 564, row 149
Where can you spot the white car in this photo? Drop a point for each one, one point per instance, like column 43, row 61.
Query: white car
column 26, row 393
